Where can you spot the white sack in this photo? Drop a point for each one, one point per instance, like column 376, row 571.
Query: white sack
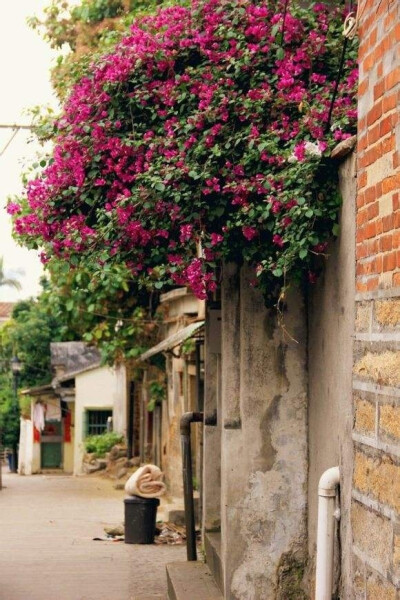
column 146, row 482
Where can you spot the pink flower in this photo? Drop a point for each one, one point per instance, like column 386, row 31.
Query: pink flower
column 277, row 240
column 148, row 135
column 321, row 247
column 249, row 232
column 286, row 221
column 185, row 233
column 216, row 238
column 13, row 208
column 300, row 151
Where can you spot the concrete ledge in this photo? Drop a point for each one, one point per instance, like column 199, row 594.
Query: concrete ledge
column 212, row 546
column 191, row 581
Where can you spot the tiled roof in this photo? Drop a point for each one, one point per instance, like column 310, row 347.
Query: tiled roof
column 6, row 309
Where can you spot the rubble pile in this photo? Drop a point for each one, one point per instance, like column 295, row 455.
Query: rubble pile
column 115, row 465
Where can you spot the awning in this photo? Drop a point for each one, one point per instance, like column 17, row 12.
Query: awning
column 173, row 340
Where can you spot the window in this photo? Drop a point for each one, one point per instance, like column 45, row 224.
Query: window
column 96, row 421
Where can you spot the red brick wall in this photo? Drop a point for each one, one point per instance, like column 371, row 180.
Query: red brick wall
column 378, row 207
column 376, row 371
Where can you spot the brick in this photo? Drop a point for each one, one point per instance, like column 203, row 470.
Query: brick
column 370, row 195
column 388, row 145
column 387, row 312
column 359, row 581
column 383, row 368
column 371, row 533
column 389, row 262
column 363, row 316
column 364, row 413
column 372, row 284
column 379, row 88
column 392, row 79
column 385, row 280
column 370, row 230
column 389, row 184
column 387, row 222
column 378, row 478
column 396, row 551
column 386, row 243
column 375, row 113
column 379, row 588
column 361, row 251
column 362, row 179
column 389, row 102
column 389, row 421
column 386, row 125
column 385, row 205
column 374, row 134
column 364, row 85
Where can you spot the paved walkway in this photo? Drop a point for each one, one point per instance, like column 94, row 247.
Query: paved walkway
column 46, row 549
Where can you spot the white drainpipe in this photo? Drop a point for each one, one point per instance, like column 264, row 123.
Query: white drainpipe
column 326, row 531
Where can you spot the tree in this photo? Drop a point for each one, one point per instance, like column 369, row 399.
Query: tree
column 7, row 281
column 28, row 335
column 205, row 135
column 99, row 304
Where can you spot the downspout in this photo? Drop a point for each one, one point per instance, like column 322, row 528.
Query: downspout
column 327, row 514
column 186, row 420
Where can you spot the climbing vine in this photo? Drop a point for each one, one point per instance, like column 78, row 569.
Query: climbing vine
column 203, row 136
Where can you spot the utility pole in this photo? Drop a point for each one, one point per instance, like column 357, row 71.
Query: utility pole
column 15, row 127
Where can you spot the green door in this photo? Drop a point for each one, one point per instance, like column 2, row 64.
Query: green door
column 51, row 455
column 51, row 446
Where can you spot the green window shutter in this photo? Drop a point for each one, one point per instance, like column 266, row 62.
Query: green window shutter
column 85, row 424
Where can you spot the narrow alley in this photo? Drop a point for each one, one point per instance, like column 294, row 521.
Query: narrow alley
column 47, row 525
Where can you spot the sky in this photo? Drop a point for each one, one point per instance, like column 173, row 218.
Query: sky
column 25, row 61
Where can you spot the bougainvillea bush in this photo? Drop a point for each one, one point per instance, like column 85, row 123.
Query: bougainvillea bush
column 204, row 136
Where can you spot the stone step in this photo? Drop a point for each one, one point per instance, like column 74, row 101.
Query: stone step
column 151, row 597
column 191, row 581
column 212, row 547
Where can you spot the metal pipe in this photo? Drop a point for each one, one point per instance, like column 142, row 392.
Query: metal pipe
column 327, row 515
column 186, row 420
column 130, row 419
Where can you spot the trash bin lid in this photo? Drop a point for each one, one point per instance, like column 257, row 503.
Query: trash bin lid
column 140, row 500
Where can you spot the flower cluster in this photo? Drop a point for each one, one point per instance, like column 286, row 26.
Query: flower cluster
column 202, row 137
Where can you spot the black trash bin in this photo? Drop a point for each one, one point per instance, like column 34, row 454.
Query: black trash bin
column 140, row 519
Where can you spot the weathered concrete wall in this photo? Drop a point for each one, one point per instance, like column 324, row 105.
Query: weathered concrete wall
column 330, row 348
column 212, row 437
column 264, row 424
